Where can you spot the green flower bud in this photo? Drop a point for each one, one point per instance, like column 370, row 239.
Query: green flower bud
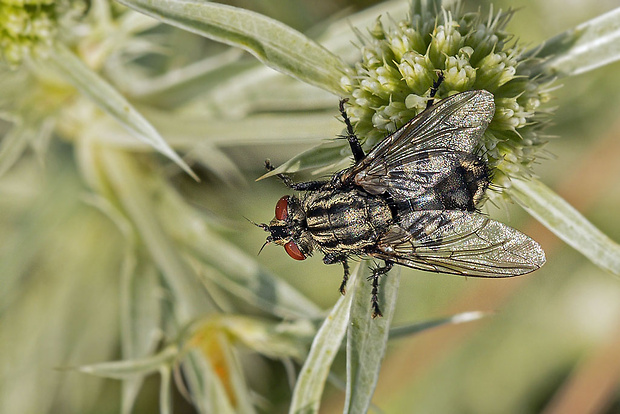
column 28, row 27
column 392, row 82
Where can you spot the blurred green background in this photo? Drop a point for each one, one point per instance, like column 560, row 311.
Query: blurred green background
column 552, row 345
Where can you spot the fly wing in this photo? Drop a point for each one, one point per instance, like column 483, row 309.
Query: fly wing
column 435, row 179
column 455, row 124
column 459, row 242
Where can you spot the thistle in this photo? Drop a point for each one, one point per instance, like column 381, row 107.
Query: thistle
column 392, row 82
column 28, row 28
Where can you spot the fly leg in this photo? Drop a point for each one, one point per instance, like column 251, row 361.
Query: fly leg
column 376, row 273
column 345, row 277
column 331, row 259
column 303, row 186
column 435, row 88
column 356, row 147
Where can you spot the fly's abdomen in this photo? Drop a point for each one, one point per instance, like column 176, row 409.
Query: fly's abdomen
column 346, row 221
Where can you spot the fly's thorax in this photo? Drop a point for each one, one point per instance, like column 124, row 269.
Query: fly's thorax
column 341, row 179
column 345, row 220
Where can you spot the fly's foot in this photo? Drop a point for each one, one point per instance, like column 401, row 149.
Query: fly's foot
column 268, row 165
column 304, row 186
column 331, row 258
column 345, row 278
column 377, row 272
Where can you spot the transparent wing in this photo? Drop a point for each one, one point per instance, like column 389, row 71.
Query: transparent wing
column 434, row 179
column 459, row 242
column 455, row 124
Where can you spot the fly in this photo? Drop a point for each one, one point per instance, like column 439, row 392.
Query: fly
column 412, row 200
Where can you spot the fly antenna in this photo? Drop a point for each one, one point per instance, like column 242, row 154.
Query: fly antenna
column 261, row 225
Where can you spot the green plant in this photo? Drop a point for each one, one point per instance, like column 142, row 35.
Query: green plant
column 106, row 81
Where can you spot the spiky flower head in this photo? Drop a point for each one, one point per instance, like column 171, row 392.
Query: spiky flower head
column 392, row 82
column 28, row 27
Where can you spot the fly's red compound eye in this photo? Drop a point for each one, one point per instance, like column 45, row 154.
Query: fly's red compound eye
column 293, row 250
column 282, row 209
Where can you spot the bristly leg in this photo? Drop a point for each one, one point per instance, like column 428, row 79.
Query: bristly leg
column 345, row 277
column 376, row 273
column 435, row 88
column 331, row 259
column 356, row 147
column 303, row 186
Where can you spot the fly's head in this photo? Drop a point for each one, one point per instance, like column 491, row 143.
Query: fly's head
column 288, row 228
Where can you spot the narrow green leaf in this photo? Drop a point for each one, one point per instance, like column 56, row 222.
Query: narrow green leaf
column 208, row 392
column 165, row 391
column 416, row 328
column 219, row 163
column 110, row 100
column 53, row 202
column 367, row 341
column 134, row 188
column 218, row 375
column 236, row 377
column 14, row 143
column 276, row 340
column 299, row 128
column 245, row 86
column 140, row 317
column 311, row 379
column 327, row 154
column 566, row 222
column 183, row 84
column 256, row 285
column 588, row 46
column 194, row 369
column 27, row 131
column 273, row 43
column 130, row 368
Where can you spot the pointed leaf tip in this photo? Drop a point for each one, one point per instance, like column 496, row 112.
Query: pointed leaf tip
column 111, row 101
